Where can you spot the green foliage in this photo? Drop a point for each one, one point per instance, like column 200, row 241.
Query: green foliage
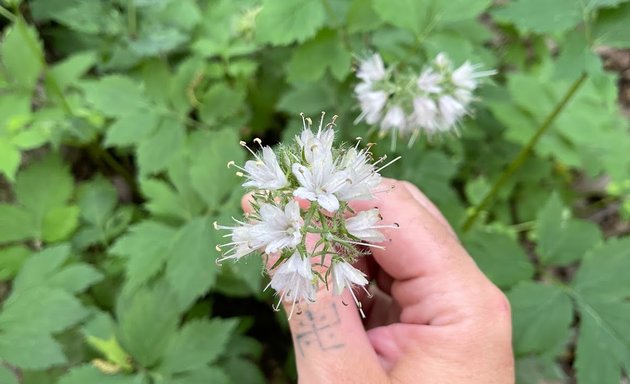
column 118, row 118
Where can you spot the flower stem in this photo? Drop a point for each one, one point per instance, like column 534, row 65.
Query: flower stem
column 520, row 158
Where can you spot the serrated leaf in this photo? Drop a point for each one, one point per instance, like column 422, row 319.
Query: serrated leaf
column 611, row 27
column 97, row 199
column 147, row 320
column 313, row 58
column 131, row 129
column 59, row 223
column 361, row 17
column 603, row 272
column 220, row 102
column 541, row 317
column 206, row 375
column 283, row 22
column 90, row 374
column 157, row 151
column 30, row 350
column 539, row 370
column 562, row 240
column 22, row 54
column 197, row 344
column 115, row 95
column 190, row 267
column 500, row 257
column 413, row 15
column 75, row 278
column 559, row 15
column 243, row 371
column 210, row 152
column 164, row 201
column 44, row 185
column 146, row 247
column 41, row 309
column 11, row 260
column 15, row 224
column 603, row 346
column 9, row 159
column 71, row 69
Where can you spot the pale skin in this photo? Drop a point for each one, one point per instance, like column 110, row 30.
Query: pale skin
column 434, row 318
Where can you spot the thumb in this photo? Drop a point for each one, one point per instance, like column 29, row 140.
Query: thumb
column 330, row 342
column 331, row 345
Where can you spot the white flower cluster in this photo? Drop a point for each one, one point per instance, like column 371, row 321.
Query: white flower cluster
column 325, row 179
column 432, row 102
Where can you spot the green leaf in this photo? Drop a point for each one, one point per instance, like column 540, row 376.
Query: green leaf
column 59, row 223
column 191, row 268
column 21, row 54
column 562, row 240
column 361, row 17
column 15, row 224
column 68, row 72
column 559, row 15
column 41, row 309
column 243, row 371
column 283, row 22
column 30, row 350
column 9, row 159
column 220, row 102
column 115, row 95
column 324, row 51
column 539, row 370
column 611, row 27
column 458, row 10
column 97, row 199
column 198, row 343
column 131, row 129
column 413, row 15
column 603, row 346
column 146, row 248
column 47, row 268
column 164, row 201
column 541, row 316
column 85, row 374
column 44, row 185
column 203, row 376
column 7, row 376
column 603, row 273
column 500, row 257
column 11, row 260
column 210, row 152
column 147, row 320
column 156, row 152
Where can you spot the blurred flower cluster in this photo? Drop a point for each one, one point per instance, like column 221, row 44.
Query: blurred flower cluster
column 406, row 105
column 301, row 221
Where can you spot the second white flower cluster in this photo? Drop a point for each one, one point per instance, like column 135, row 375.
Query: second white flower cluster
column 406, row 105
column 315, row 241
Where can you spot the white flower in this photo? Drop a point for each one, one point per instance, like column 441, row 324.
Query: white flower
column 361, row 175
column 372, row 69
column 279, row 228
column 429, row 81
column 320, row 182
column 293, row 280
column 244, row 241
column 363, row 226
column 442, row 61
column 451, row 110
column 394, row 119
column 344, row 276
column 425, row 113
column 316, row 146
column 466, row 76
column 265, row 173
column 371, row 103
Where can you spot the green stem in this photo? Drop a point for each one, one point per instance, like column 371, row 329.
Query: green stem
column 6, row 13
column 520, row 158
column 132, row 22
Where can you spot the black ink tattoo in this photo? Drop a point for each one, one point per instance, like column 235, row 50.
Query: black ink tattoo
column 319, row 330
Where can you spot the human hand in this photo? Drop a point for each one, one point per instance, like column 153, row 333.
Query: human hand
column 434, row 318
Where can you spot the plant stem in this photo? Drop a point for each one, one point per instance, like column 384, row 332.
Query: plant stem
column 132, row 23
column 6, row 13
column 520, row 158
column 343, row 34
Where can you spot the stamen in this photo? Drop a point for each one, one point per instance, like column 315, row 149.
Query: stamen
column 388, row 164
